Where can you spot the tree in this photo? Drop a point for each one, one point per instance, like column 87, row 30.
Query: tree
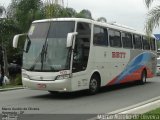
column 11, row 9
column 153, row 18
column 84, row 14
column 102, row 19
column 70, row 12
column 7, row 30
column 2, row 12
column 23, row 12
column 51, row 10
column 20, row 14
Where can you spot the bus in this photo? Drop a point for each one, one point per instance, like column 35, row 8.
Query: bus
column 73, row 54
column 158, row 52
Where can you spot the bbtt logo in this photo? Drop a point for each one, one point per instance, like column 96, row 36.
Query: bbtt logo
column 118, row 55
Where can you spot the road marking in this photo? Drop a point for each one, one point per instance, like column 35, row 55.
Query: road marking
column 143, row 109
column 136, row 105
column 137, row 108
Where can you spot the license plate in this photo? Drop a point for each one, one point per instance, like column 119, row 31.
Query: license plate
column 41, row 86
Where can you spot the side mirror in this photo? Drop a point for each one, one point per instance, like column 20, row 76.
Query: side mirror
column 70, row 37
column 15, row 40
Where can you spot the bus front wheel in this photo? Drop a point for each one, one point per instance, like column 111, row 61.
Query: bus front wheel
column 94, row 85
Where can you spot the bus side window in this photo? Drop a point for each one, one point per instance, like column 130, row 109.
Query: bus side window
column 146, row 45
column 100, row 36
column 127, row 40
column 114, row 38
column 153, row 44
column 137, row 42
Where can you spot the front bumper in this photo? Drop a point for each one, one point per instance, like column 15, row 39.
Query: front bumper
column 57, row 85
column 158, row 71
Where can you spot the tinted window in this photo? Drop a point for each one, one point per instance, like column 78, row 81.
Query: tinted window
column 82, row 47
column 146, row 45
column 152, row 42
column 100, row 36
column 114, row 38
column 57, row 55
column 60, row 29
column 127, row 40
column 39, row 30
column 137, row 42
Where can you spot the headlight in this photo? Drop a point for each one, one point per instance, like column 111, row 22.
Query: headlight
column 60, row 77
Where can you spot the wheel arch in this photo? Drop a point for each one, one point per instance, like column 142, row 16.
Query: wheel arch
column 96, row 73
column 145, row 69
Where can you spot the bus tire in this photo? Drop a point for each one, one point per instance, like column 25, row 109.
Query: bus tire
column 53, row 92
column 94, row 85
column 143, row 77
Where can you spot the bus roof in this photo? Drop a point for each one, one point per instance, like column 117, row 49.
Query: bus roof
column 108, row 25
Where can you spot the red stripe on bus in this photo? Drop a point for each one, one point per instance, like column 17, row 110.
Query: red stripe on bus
column 133, row 77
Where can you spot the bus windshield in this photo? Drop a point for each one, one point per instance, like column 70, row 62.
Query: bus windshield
column 48, row 51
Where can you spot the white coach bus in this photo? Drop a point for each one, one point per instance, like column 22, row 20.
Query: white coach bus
column 72, row 54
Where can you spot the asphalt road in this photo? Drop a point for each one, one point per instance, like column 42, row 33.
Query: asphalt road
column 108, row 100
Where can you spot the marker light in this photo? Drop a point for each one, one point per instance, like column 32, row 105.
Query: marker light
column 60, row 77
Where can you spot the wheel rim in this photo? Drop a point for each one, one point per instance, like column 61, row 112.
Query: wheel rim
column 93, row 85
column 144, row 78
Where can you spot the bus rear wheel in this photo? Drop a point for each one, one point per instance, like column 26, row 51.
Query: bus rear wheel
column 143, row 77
column 94, row 85
column 53, row 92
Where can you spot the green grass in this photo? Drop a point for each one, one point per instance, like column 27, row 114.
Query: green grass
column 9, row 86
column 152, row 115
column 15, row 81
column 156, row 111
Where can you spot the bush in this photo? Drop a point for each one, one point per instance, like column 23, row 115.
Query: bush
column 18, row 79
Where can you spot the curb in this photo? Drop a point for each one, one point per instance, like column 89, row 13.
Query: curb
column 14, row 88
column 144, row 108
column 139, row 108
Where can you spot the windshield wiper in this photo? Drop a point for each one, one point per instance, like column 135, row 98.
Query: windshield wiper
column 41, row 55
column 28, row 43
column 45, row 51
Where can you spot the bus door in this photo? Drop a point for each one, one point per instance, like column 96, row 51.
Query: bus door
column 80, row 56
